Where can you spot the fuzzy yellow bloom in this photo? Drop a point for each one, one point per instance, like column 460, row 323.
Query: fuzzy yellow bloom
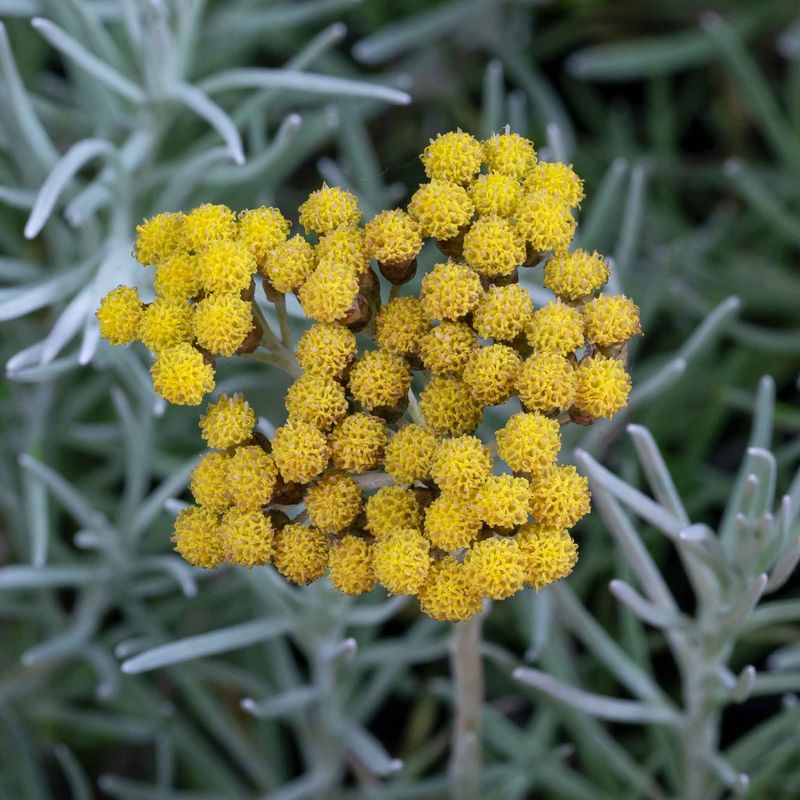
column 529, row 442
column 261, row 230
column 326, row 349
column 247, row 537
column 495, row 193
column 301, row 451
column 252, row 476
column 393, row 237
column 447, row 594
column 358, row 441
column 491, row 373
column 455, row 156
column 441, row 208
column 611, row 319
column 181, row 375
column 165, row 323
column 288, row 264
column 177, row 278
column 410, row 452
column 549, row 554
column 493, row 247
column 603, row 386
column 197, row 538
column 327, row 209
column 345, row 245
column 450, row 291
column 379, row 379
column 503, row 313
column 226, row 267
column 120, row 315
column 445, row 349
column 209, row 482
column 495, row 567
column 575, row 275
column 451, row 523
column 208, row 224
column 159, row 238
column 222, row 322
column 402, row 560
column 509, row 154
column 228, row 422
column 556, row 328
column 449, row 406
column 350, row 565
column 559, row 497
column 400, row 325
column 317, row 400
column 547, row 383
column 461, row 466
column 557, row 180
column 333, row 502
column 502, row 501
column 329, row 291
column 301, row 553
column 392, row 508
column 545, row 222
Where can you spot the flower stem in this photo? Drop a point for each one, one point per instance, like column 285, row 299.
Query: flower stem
column 283, row 320
column 414, row 409
column 278, row 354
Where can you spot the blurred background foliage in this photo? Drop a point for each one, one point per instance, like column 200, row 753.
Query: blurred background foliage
column 684, row 120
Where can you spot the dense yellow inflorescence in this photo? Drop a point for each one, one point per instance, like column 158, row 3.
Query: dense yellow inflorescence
column 382, row 444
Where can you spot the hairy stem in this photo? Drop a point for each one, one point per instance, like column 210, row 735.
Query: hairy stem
column 283, row 321
column 277, row 353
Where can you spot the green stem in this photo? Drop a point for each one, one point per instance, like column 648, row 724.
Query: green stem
column 277, row 353
column 283, row 320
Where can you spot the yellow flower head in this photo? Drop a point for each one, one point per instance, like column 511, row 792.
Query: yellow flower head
column 358, row 441
column 611, row 319
column 197, row 537
column 557, row 180
column 159, row 238
column 495, row 567
column 177, row 278
column 493, row 247
column 449, row 406
column 451, row 523
column 442, row 209
column 226, row 267
column 327, row 209
column 455, row 156
column 392, row 508
column 261, row 230
column 247, row 537
column 549, row 554
column 447, row 594
column 165, row 323
column 545, row 222
column 603, row 386
column 546, row 382
column 288, row 264
column 208, row 224
column 333, row 502
column 222, row 322
column 329, row 291
column 350, row 566
column 209, row 482
column 326, row 349
column 182, row 376
column 461, row 466
column 393, row 237
column 315, row 399
column 495, row 193
column 410, row 452
column 450, row 291
column 509, row 154
column 559, row 497
column 502, row 501
column 252, row 476
column 491, row 373
column 301, row 451
column 301, row 553
column 345, row 245
column 379, row 379
column 503, row 313
column 400, row 325
column 556, row 328
column 575, row 275
column 529, row 443
column 446, row 348
column 120, row 315
column 402, row 560
column 228, row 422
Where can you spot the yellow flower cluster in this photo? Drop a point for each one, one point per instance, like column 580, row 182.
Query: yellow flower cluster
column 398, row 489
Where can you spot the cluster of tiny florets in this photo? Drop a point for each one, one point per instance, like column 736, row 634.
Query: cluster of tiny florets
column 381, row 448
